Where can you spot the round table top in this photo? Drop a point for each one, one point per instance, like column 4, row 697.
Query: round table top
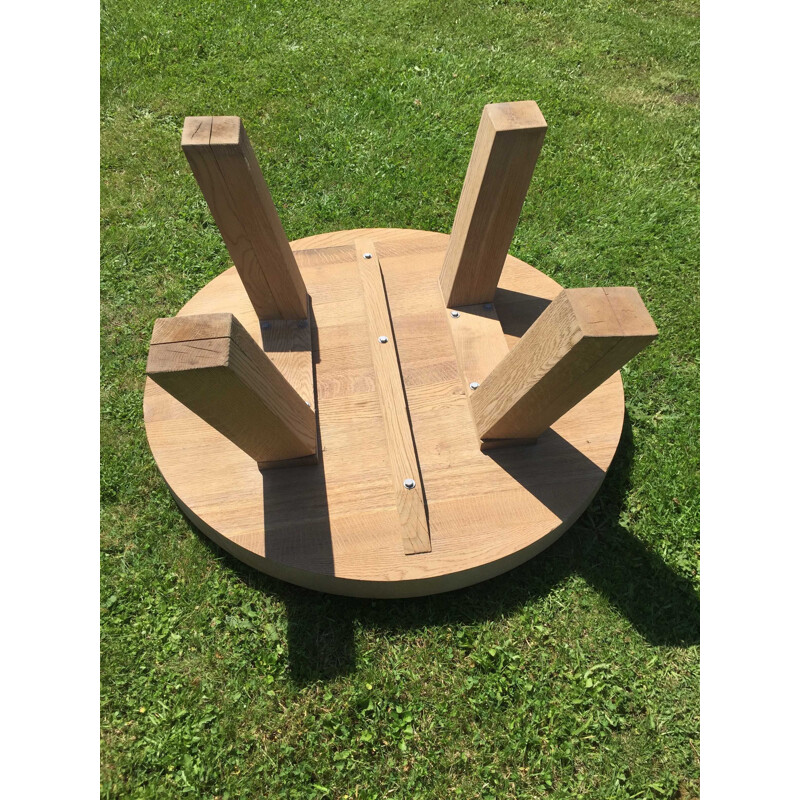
column 334, row 526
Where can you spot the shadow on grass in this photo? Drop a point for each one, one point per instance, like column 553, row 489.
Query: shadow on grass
column 662, row 605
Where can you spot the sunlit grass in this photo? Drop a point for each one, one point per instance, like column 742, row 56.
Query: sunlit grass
column 575, row 675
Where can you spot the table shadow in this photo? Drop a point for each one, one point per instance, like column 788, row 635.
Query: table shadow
column 662, row 605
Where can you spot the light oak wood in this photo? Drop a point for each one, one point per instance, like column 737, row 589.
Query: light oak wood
column 479, row 346
column 287, row 342
column 391, row 397
column 578, row 342
column 227, row 171
column 507, row 145
column 334, row 526
column 211, row 365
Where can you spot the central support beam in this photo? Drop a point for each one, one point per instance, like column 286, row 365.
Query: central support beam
column 227, row 171
column 403, row 467
column 506, row 147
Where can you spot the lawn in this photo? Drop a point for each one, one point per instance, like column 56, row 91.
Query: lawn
column 573, row 676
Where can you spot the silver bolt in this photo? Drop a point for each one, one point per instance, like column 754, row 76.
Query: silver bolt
column 302, row 324
column 455, row 313
column 308, row 404
column 474, row 385
column 367, row 255
column 266, row 325
column 409, row 483
column 487, row 306
column 382, row 339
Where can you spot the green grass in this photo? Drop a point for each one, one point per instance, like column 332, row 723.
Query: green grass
column 575, row 675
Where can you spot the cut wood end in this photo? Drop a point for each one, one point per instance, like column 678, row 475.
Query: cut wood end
column 610, row 311
column 183, row 356
column 196, row 131
column 631, row 312
column 191, row 327
column 521, row 115
column 593, row 312
column 227, row 130
column 204, row 131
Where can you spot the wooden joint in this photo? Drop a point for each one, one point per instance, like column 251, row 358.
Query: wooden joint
column 227, row 171
column 507, row 145
column 580, row 340
column 212, row 365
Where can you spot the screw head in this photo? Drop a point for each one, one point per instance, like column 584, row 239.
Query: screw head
column 367, row 255
column 487, row 306
column 455, row 313
column 474, row 385
column 382, row 339
column 265, row 325
column 302, row 324
column 409, row 483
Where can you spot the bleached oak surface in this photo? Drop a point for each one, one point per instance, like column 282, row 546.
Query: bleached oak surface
column 508, row 142
column 227, row 171
column 335, row 526
column 211, row 364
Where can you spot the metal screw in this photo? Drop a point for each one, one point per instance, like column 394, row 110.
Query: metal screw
column 302, row 324
column 487, row 306
column 266, row 325
column 455, row 313
column 367, row 255
column 474, row 385
column 409, row 483
column 382, row 339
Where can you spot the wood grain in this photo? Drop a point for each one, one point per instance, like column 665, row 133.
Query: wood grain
column 227, row 171
column 507, row 145
column 287, row 343
column 211, row 365
column 391, row 395
column 579, row 341
column 334, row 526
column 479, row 342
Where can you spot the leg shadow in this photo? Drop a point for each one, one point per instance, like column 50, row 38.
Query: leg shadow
column 320, row 636
column 297, row 531
column 517, row 311
column 320, row 642
column 660, row 603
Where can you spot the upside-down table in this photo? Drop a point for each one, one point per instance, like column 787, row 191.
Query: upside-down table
column 384, row 412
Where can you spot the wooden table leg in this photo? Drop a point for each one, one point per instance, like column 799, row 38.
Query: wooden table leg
column 226, row 169
column 212, row 365
column 510, row 136
column 581, row 339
